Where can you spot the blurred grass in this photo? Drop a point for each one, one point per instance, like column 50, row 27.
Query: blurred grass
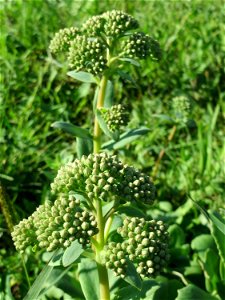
column 36, row 92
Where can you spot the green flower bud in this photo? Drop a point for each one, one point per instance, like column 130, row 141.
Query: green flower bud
column 181, row 107
column 62, row 39
column 148, row 260
column 118, row 23
column 140, row 45
column 115, row 117
column 87, row 54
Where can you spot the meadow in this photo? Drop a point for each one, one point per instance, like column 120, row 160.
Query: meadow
column 189, row 175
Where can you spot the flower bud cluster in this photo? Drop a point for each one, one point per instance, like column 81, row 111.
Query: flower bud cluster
column 87, row 54
column 94, row 26
column 62, row 39
column 141, row 45
column 54, row 226
column 181, row 107
column 101, row 176
column 145, row 244
column 118, row 23
column 87, row 48
column 24, row 235
column 115, row 117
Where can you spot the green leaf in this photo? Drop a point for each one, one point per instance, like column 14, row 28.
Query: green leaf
column 203, row 242
column 109, row 94
column 126, row 138
column 211, row 268
column 55, row 276
column 131, row 211
column 192, row 292
column 117, row 222
column 104, row 126
column 56, row 259
column 132, row 277
column 95, row 100
column 222, row 270
column 72, row 129
column 84, row 147
column 88, row 276
column 82, row 76
column 8, row 291
column 218, row 221
column 71, row 286
column 126, row 76
column 215, row 217
column 194, row 268
column 164, row 118
column 113, row 283
column 166, row 291
column 38, row 285
column 177, row 236
column 131, row 61
column 131, row 293
column 165, row 206
column 106, row 208
column 72, row 253
column 220, row 244
column 203, row 211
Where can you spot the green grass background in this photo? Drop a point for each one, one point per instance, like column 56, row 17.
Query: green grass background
column 35, row 92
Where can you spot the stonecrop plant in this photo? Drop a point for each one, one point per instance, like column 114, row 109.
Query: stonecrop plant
column 87, row 215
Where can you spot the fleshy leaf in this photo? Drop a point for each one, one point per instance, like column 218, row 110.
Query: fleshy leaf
column 130, row 60
column 72, row 129
column 72, row 253
column 193, row 292
column 132, row 277
column 82, row 76
column 109, row 94
column 84, row 147
column 104, row 126
column 126, row 138
column 88, row 277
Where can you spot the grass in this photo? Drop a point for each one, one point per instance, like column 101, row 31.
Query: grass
column 35, row 92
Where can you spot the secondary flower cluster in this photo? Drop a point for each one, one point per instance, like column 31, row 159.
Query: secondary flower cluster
column 86, row 48
column 181, row 108
column 55, row 225
column 141, row 45
column 115, row 117
column 112, row 24
column 145, row 243
column 104, row 177
column 118, row 23
column 88, row 54
column 62, row 40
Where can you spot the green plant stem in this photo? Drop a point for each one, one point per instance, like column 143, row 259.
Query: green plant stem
column 25, row 271
column 181, row 276
column 100, row 103
column 103, row 279
column 107, row 227
column 102, row 271
column 162, row 152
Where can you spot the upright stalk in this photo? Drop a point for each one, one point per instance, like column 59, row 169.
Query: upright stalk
column 100, row 103
column 102, row 271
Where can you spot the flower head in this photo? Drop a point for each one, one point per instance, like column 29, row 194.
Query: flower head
column 144, row 243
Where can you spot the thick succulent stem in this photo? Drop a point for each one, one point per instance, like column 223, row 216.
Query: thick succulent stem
column 100, row 103
column 103, row 279
column 102, row 271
